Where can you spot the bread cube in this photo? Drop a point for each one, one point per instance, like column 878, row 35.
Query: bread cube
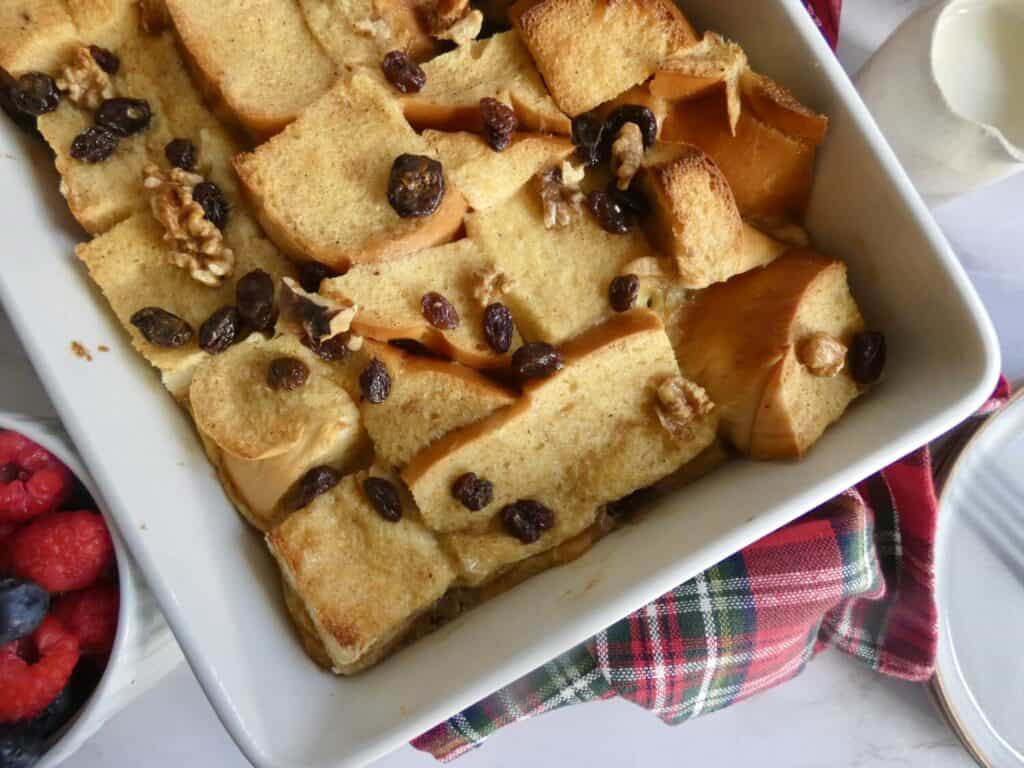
column 590, row 51
column 360, row 32
column 35, row 36
column 362, row 579
column 744, row 341
column 777, row 107
column 321, row 185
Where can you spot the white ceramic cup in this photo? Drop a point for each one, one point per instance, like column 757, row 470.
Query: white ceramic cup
column 947, row 90
column 144, row 650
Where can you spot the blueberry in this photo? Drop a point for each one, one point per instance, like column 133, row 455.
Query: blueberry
column 51, row 719
column 24, row 742
column 23, row 605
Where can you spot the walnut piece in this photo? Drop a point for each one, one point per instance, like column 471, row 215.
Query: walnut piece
column 627, row 154
column 490, row 285
column 561, row 201
column 680, row 403
column 354, row 342
column 85, row 83
column 197, row 245
column 822, row 354
column 717, row 60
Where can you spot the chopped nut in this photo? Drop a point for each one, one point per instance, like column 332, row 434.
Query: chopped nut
column 84, row 81
column 561, row 201
column 376, row 29
column 681, row 402
column 572, row 174
column 354, row 342
column 490, row 285
column 313, row 315
column 197, row 245
column 627, row 154
column 714, row 58
column 822, row 354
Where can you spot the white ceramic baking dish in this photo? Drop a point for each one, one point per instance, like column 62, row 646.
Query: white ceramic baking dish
column 217, row 585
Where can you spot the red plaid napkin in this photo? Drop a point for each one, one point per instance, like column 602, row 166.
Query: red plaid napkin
column 857, row 573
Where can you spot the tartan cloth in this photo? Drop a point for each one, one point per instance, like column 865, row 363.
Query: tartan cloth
column 857, row 574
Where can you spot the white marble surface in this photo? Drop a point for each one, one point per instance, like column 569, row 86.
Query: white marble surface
column 836, row 714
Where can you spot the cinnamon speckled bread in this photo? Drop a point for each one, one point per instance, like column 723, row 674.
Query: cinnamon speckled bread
column 428, row 399
column 362, row 579
column 744, row 341
column 559, row 278
column 769, row 172
column 389, row 300
column 132, row 268
column 263, row 440
column 487, row 178
column 586, row 436
column 321, row 185
column 259, row 56
column 590, row 51
column 360, row 32
column 498, row 67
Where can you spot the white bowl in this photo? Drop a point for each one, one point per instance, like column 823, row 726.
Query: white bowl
column 219, row 589
column 144, row 649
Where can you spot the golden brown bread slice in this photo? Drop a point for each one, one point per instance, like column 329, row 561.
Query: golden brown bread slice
column 320, row 186
column 588, row 435
column 389, row 298
column 590, row 51
column 695, row 220
column 261, row 440
column 258, row 56
column 744, row 341
column 769, row 172
column 362, row 579
column 777, row 107
column 360, row 32
column 497, row 67
column 487, row 178
column 131, row 266
column 429, row 398
column 559, row 278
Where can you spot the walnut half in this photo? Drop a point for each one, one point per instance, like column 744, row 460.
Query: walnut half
column 561, row 199
column 680, row 403
column 197, row 245
column 84, row 81
column 823, row 354
column 627, row 154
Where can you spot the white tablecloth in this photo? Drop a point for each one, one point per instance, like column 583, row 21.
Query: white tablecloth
column 836, row 714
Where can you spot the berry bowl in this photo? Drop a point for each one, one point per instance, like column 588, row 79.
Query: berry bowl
column 80, row 634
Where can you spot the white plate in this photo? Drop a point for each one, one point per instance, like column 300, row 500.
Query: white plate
column 215, row 582
column 980, row 566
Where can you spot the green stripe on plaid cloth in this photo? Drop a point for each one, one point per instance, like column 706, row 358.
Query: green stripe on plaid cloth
column 857, row 573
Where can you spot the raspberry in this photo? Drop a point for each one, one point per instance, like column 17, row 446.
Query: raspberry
column 63, row 551
column 91, row 616
column 27, row 689
column 32, row 480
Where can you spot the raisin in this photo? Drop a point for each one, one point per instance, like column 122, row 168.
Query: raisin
column 181, row 153
column 628, row 113
column 587, row 131
column 375, row 382
column 25, row 121
column 611, row 215
column 623, row 291
column 383, row 495
column 287, row 373
column 537, row 360
column 35, row 94
column 214, row 204
column 415, row 186
column 403, row 73
column 316, row 482
column 473, row 492
column 439, row 312
column 220, row 331
column 526, row 519
column 329, row 350
column 631, row 200
column 498, row 327
column 105, row 59
column 311, row 274
column 124, row 116
column 867, row 357
column 499, row 123
column 254, row 295
column 162, row 328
